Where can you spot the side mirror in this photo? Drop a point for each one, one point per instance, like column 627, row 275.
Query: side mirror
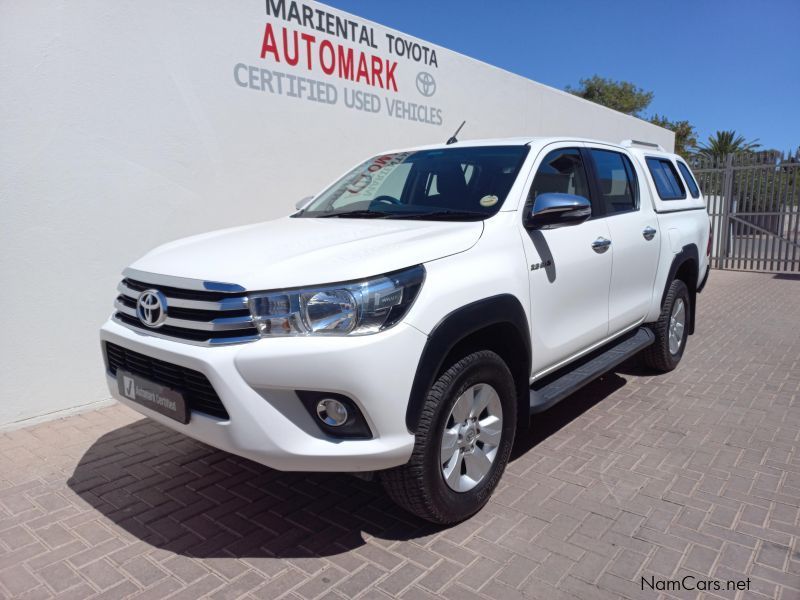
column 553, row 210
column 303, row 202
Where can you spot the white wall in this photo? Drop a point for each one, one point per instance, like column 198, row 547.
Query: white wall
column 121, row 127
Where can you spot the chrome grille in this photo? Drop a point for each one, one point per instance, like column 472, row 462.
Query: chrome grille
column 207, row 317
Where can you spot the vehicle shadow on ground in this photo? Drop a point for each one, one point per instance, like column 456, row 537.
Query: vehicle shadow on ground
column 547, row 423
column 182, row 496
column 787, row 276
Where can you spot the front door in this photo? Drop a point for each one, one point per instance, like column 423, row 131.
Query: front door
column 570, row 267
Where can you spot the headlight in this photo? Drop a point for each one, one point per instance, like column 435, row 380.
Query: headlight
column 358, row 308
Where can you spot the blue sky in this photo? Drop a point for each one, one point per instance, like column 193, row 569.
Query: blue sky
column 720, row 65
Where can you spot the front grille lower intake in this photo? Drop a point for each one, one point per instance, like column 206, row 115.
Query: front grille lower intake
column 200, row 395
column 197, row 316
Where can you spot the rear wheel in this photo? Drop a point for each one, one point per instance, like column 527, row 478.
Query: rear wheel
column 463, row 441
column 671, row 329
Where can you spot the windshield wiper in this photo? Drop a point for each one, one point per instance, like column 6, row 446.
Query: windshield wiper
column 442, row 214
column 356, row 214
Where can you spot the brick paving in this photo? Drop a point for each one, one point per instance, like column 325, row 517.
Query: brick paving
column 692, row 473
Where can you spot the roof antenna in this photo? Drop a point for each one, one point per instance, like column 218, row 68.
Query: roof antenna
column 453, row 139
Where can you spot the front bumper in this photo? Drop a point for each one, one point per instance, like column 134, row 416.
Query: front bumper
column 256, row 382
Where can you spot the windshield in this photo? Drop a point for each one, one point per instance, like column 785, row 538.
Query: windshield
column 450, row 183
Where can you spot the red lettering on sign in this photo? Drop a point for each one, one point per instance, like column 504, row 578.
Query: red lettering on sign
column 390, row 67
column 333, row 58
column 377, row 69
column 309, row 40
column 362, row 69
column 345, row 56
column 292, row 60
column 269, row 45
column 331, row 66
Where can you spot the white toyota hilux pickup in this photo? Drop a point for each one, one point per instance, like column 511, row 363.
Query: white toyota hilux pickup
column 409, row 319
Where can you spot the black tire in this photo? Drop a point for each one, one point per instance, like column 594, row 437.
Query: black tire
column 658, row 356
column 419, row 485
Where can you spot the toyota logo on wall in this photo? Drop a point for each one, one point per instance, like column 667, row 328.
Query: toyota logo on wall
column 151, row 308
column 426, row 84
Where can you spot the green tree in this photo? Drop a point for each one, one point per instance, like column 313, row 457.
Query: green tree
column 619, row 95
column 685, row 134
column 723, row 143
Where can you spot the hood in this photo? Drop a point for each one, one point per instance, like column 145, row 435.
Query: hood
column 293, row 252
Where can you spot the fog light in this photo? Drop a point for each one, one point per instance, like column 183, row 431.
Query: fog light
column 332, row 412
column 336, row 415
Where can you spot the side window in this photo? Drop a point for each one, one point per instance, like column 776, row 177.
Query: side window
column 689, row 179
column 666, row 178
column 561, row 172
column 617, row 181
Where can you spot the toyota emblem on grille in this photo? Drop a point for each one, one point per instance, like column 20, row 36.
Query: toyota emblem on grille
column 151, row 308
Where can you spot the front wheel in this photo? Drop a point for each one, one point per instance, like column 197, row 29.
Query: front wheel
column 671, row 329
column 463, row 441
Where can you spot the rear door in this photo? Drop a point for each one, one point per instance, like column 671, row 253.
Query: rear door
column 570, row 267
column 634, row 235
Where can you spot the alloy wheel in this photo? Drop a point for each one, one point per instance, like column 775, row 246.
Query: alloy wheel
column 677, row 323
column 471, row 437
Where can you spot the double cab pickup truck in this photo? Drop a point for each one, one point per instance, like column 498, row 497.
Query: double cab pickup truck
column 407, row 322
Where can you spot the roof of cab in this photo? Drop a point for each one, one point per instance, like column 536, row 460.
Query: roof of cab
column 521, row 141
column 515, row 141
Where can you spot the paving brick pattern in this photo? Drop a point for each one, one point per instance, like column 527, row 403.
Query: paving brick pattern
column 692, row 473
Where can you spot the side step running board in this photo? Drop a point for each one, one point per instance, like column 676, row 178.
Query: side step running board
column 557, row 386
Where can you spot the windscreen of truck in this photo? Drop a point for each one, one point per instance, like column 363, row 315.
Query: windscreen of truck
column 451, row 183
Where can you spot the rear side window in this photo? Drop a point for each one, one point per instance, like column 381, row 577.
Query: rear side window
column 687, row 177
column 666, row 178
column 617, row 181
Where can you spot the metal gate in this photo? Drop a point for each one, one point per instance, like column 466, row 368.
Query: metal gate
column 753, row 201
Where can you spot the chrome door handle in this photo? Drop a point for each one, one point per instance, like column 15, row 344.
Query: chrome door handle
column 600, row 245
column 649, row 233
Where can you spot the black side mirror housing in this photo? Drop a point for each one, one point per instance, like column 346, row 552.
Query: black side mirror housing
column 552, row 210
